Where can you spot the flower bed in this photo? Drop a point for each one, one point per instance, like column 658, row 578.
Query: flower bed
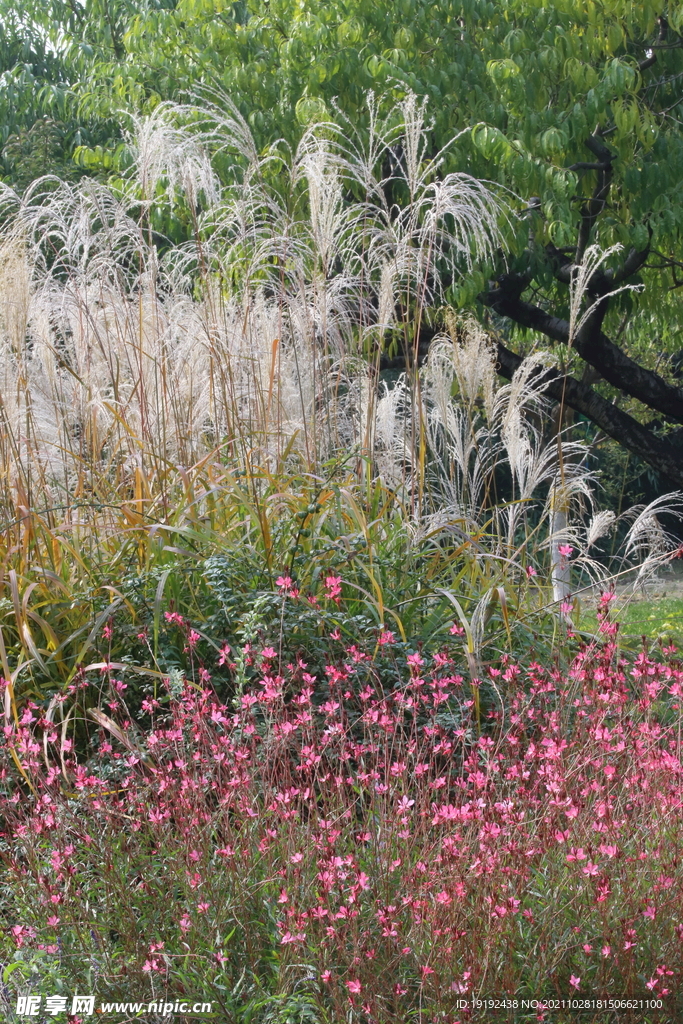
column 326, row 848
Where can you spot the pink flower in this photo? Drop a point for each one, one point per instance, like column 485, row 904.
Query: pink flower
column 575, row 854
column 333, row 587
column 530, row 571
column 565, row 550
column 575, row 981
column 286, row 584
column 193, row 638
column 354, row 986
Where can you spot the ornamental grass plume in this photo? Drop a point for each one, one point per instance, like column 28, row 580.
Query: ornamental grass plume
column 125, row 354
column 256, row 343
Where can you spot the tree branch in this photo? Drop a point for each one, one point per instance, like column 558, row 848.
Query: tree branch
column 635, row 259
column 595, row 205
column 662, row 454
column 604, row 279
column 665, row 454
column 659, row 45
column 582, row 165
column 595, row 347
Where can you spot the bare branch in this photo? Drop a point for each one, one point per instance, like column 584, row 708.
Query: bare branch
column 596, row 204
column 584, row 166
column 651, row 57
column 592, row 345
column 664, row 454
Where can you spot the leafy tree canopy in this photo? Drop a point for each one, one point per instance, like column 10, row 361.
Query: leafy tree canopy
column 575, row 106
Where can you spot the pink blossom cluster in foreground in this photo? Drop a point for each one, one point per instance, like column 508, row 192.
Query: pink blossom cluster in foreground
column 370, row 849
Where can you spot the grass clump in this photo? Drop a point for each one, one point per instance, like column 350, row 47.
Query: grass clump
column 299, row 712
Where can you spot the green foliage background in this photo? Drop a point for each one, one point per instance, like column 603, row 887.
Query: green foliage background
column 532, row 79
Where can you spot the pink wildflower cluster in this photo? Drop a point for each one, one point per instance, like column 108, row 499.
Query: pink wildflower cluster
column 332, row 588
column 393, row 845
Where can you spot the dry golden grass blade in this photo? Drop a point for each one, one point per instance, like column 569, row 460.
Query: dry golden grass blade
column 105, row 614
column 49, row 717
column 271, row 381
column 133, row 519
column 3, row 658
column 50, row 635
column 57, row 580
column 23, row 630
column 63, row 740
column 107, row 723
column 10, row 709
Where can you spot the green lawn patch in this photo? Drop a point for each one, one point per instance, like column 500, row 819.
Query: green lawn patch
column 657, row 618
